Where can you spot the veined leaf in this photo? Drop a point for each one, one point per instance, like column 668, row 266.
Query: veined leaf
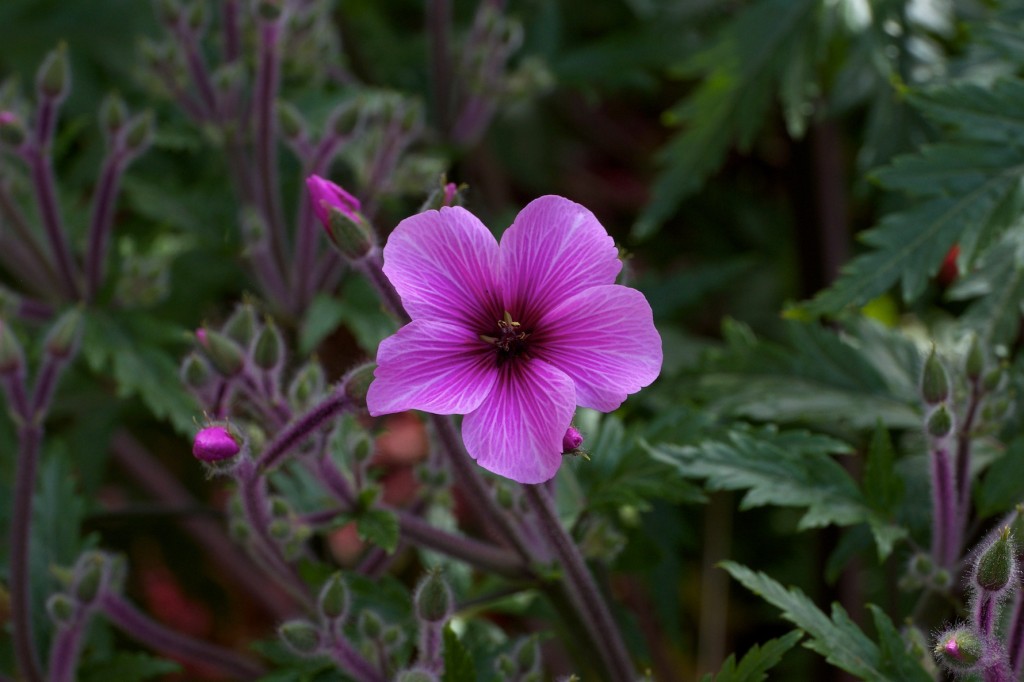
column 838, row 638
column 998, row 284
column 755, row 664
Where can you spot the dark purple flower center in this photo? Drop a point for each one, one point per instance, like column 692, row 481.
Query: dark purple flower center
column 510, row 339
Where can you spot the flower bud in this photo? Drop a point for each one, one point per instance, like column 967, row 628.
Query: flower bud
column 446, row 194
column 241, row 325
column 12, row 358
column 370, row 625
column 12, row 130
column 267, row 354
column 974, row 364
column 528, row 656
column 61, row 607
column 940, row 422
column 959, row 649
column 293, row 125
column 571, row 440
column 301, row 636
column 89, row 576
column 269, row 10
column 195, row 372
column 433, row 599
column 993, row 378
column 113, row 113
column 64, row 334
column 357, row 383
column 934, row 382
column 52, row 78
column 338, row 212
column 139, row 131
column 392, row 637
column 416, row 675
column 997, row 564
column 225, row 355
column 506, row 667
column 196, row 16
column 334, row 598
column 307, row 384
column 215, row 444
column 344, row 118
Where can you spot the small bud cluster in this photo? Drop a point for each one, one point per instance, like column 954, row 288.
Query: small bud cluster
column 523, row 664
column 94, row 574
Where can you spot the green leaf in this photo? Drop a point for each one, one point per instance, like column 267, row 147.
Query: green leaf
column 739, row 73
column 756, row 663
column 380, row 527
column 883, row 491
column 998, row 285
column 458, row 662
column 324, row 315
column 1003, row 486
column 838, row 638
column 895, row 657
column 126, row 666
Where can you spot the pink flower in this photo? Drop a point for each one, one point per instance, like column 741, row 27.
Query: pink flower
column 325, row 195
column 214, row 443
column 514, row 336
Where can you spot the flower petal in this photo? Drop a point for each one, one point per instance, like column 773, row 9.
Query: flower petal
column 604, row 338
column 554, row 249
column 443, row 264
column 517, row 431
column 432, row 366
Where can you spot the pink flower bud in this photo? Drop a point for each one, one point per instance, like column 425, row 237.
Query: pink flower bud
column 571, row 440
column 215, row 443
column 326, row 195
column 450, row 192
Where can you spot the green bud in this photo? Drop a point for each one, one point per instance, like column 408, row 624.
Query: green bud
column 506, row 667
column 505, row 497
column 225, row 355
column 169, row 11
column 307, row 384
column 392, row 637
column 974, row 365
column 53, row 75
column 270, row 10
column 196, row 15
column 997, row 563
column 290, row 118
column 370, row 625
column 362, row 448
column 959, row 649
column 921, row 564
column 941, row 579
column 993, row 378
column 349, row 233
column 280, row 529
column 334, row 598
column 268, row 351
column 89, row 576
column 934, row 382
column 357, row 383
column 12, row 357
column 241, row 326
column 416, row 676
column 940, row 422
column 139, row 131
column 239, row 531
column 527, row 655
column 12, row 130
column 280, row 507
column 64, row 334
column 113, row 113
column 433, row 599
column 61, row 607
column 344, row 118
column 195, row 372
column 301, row 636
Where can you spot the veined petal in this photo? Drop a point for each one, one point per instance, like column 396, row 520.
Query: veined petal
column 553, row 250
column 444, row 264
column 517, row 431
column 604, row 338
column 432, row 366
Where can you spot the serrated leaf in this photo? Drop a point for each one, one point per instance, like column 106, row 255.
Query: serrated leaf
column 895, row 658
column 755, row 664
column 458, row 662
column 997, row 282
column 380, row 527
column 789, row 469
column 838, row 638
column 883, row 489
column 126, row 666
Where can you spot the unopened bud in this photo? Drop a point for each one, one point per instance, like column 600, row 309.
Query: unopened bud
column 61, row 607
column 334, row 598
column 993, row 378
column 196, row 16
column 357, row 383
column 280, row 529
column 344, row 118
column 195, row 372
column 89, row 576
column 506, row 667
column 301, row 636
column 293, row 126
column 307, row 384
column 12, row 357
column 974, row 365
column 370, row 625
column 959, row 649
column 446, row 194
column 225, row 355
column 139, row 131
column 113, row 113
column 268, row 352
column 241, row 326
column 392, row 637
column 934, row 382
column 997, row 564
column 338, row 212
column 433, row 599
column 215, row 444
column 12, row 130
column 53, row 76
column 940, row 422
column 571, row 440
column 527, row 655
column 64, row 335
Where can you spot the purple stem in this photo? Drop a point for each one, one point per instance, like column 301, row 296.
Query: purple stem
column 305, row 224
column 985, row 610
column 267, row 83
column 197, row 67
column 46, row 384
column 232, row 32
column 49, row 210
column 963, row 453
column 102, row 218
column 371, row 266
column 582, row 590
column 945, row 542
column 298, row 431
column 352, row 662
column 997, row 672
column 35, row 260
column 1015, row 640
column 46, row 122
column 66, row 648
column 141, row 628
column 33, row 310
column 430, row 647
column 25, row 653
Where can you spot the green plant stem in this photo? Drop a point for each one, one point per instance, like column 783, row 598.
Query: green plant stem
column 581, row 589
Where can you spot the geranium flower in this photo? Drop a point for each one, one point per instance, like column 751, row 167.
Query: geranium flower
column 513, row 336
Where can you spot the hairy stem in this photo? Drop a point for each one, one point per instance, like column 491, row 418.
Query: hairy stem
column 299, row 430
column 66, row 648
column 352, row 662
column 44, row 185
column 29, row 440
column 945, row 542
column 267, row 83
column 102, row 218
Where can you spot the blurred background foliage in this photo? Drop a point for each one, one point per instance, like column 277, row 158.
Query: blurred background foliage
column 733, row 149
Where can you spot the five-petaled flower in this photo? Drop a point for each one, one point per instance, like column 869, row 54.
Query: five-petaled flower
column 514, row 336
